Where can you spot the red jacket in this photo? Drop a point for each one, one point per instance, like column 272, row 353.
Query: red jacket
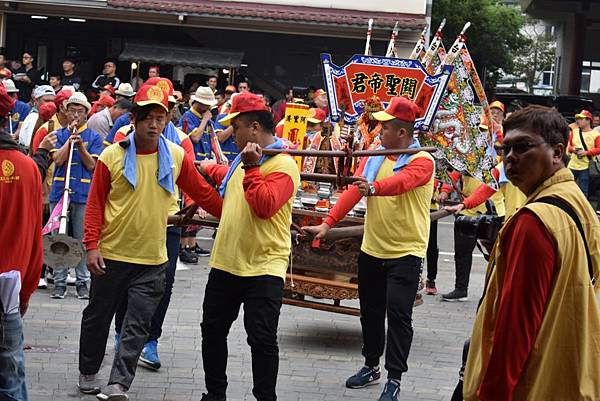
column 21, row 246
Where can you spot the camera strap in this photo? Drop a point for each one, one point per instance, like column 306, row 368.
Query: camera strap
column 565, row 207
column 582, row 144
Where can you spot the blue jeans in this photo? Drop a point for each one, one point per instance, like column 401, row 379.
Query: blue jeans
column 76, row 213
column 582, row 178
column 12, row 359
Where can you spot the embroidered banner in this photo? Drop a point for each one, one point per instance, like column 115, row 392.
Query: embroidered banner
column 350, row 85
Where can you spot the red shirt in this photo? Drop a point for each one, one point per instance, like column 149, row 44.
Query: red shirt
column 21, row 246
column 526, row 287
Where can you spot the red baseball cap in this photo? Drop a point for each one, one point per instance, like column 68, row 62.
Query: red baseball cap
column 46, row 111
column 109, row 88
column 584, row 114
column 244, row 103
column 163, row 83
column 106, row 100
column 61, row 96
column 316, row 116
column 230, row 88
column 400, row 108
column 6, row 102
column 152, row 94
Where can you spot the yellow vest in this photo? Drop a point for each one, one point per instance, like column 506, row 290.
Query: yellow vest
column 582, row 163
column 513, row 198
column 135, row 222
column 564, row 364
column 397, row 226
column 249, row 246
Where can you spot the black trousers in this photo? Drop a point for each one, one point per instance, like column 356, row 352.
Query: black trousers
column 173, row 238
column 141, row 287
column 463, row 259
column 387, row 286
column 433, row 252
column 262, row 297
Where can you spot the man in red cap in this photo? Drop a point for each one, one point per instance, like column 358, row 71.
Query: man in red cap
column 21, row 260
column 257, row 209
column 398, row 191
column 584, row 144
column 125, row 239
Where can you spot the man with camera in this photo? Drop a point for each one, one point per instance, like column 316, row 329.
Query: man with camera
column 536, row 335
column 399, row 191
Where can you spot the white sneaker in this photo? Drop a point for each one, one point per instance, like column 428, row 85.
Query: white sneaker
column 71, row 280
column 42, row 284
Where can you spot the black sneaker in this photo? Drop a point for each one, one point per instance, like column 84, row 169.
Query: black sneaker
column 210, row 397
column 455, row 295
column 59, row 292
column 366, row 376
column 201, row 251
column 82, row 291
column 390, row 391
column 187, row 256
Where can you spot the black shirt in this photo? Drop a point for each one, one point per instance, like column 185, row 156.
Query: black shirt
column 73, row 80
column 25, row 88
column 102, row 80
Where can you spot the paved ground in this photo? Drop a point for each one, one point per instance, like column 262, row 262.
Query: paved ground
column 318, row 349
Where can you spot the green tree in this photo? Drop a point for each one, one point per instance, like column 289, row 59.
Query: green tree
column 494, row 38
column 537, row 56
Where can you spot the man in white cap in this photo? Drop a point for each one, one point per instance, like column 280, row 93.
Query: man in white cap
column 42, row 94
column 124, row 91
column 88, row 146
column 19, row 111
column 197, row 123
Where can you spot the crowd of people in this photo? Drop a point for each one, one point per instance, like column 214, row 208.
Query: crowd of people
column 139, row 153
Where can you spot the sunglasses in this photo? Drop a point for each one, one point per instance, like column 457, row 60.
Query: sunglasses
column 518, row 147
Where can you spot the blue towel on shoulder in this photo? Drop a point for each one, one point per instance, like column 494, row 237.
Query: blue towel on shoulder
column 278, row 144
column 165, row 164
column 374, row 162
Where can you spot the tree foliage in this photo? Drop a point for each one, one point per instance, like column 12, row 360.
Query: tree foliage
column 537, row 56
column 494, row 38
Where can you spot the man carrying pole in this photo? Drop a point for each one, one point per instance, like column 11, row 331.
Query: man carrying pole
column 125, row 237
column 399, row 192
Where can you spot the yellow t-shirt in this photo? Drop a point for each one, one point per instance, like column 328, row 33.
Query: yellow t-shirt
column 249, row 246
column 582, row 163
column 135, row 221
column 397, row 226
column 470, row 184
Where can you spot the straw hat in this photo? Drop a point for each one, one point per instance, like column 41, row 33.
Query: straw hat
column 205, row 96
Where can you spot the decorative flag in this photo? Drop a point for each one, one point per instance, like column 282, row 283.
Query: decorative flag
column 349, row 86
column 54, row 221
column 457, row 129
column 294, row 127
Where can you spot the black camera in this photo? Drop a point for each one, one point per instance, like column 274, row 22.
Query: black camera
column 483, row 227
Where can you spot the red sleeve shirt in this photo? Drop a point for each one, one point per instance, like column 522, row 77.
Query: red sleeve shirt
column 481, row 193
column 525, row 291
column 94, row 211
column 415, row 174
column 216, row 172
column 596, row 150
column 21, row 244
column 267, row 194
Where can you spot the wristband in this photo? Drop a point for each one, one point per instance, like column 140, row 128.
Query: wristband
column 250, row 165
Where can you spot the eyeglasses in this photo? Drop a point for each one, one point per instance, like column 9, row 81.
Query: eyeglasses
column 518, row 148
column 76, row 112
